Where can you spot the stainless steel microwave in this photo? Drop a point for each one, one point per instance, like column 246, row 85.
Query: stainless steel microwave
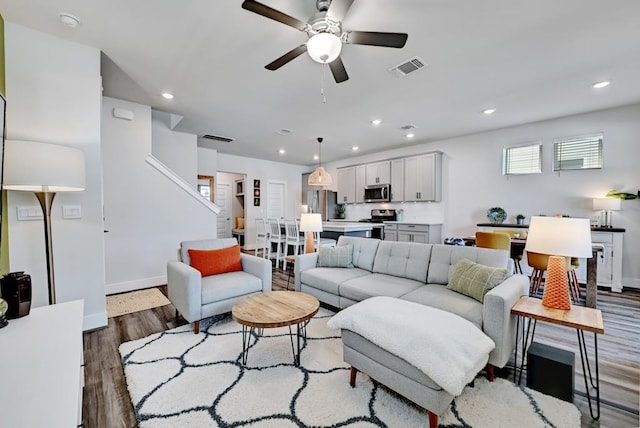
column 377, row 193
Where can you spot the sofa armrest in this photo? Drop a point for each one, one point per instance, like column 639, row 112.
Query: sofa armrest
column 184, row 287
column 259, row 267
column 498, row 323
column 304, row 262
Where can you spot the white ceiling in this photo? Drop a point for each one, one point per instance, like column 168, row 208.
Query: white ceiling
column 531, row 60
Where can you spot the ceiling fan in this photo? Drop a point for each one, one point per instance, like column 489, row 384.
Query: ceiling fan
column 326, row 35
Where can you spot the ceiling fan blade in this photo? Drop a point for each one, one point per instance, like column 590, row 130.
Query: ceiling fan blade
column 274, row 14
column 338, row 9
column 289, row 56
column 373, row 38
column 338, row 70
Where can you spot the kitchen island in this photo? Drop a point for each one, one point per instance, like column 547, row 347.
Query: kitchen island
column 334, row 229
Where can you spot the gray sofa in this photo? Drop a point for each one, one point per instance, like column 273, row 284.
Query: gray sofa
column 418, row 273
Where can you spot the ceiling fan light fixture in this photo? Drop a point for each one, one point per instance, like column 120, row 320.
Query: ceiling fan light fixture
column 324, row 47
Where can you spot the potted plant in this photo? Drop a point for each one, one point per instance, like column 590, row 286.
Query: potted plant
column 340, row 209
column 520, row 219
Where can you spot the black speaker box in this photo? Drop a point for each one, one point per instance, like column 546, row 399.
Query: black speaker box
column 16, row 290
column 551, row 371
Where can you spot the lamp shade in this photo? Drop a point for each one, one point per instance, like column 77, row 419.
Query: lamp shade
column 320, row 177
column 606, row 204
column 42, row 167
column 560, row 236
column 324, row 47
column 311, row 222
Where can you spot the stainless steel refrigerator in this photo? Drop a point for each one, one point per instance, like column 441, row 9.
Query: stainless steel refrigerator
column 319, row 200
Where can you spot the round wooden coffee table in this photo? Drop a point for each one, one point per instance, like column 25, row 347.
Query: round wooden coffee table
column 275, row 309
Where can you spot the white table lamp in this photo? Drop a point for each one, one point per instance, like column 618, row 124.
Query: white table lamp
column 44, row 169
column 605, row 206
column 559, row 237
column 310, row 223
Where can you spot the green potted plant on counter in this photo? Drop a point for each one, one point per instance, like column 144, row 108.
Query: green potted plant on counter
column 520, row 219
column 340, row 210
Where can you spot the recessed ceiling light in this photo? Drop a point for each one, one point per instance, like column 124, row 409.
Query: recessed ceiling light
column 410, row 135
column 355, row 148
column 316, row 157
column 489, row 111
column 281, row 151
column 376, row 122
column 167, row 95
column 600, row 85
column 68, row 20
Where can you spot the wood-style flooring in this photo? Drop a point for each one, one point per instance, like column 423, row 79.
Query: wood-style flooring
column 107, row 405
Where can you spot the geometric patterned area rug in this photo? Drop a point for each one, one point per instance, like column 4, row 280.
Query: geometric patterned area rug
column 134, row 301
column 179, row 379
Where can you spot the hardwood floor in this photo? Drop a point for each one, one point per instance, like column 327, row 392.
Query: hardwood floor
column 107, row 404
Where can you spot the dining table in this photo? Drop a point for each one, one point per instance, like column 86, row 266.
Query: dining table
column 591, row 298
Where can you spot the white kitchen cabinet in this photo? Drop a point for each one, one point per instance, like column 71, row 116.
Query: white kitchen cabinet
column 347, row 185
column 397, row 180
column 361, row 173
column 609, row 261
column 412, row 232
column 422, row 177
column 378, row 173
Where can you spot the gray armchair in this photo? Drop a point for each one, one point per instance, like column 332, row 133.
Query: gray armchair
column 197, row 297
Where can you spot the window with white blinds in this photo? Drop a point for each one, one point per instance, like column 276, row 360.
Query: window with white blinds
column 522, row 160
column 577, row 153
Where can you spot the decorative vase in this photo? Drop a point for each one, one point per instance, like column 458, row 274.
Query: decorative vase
column 519, row 221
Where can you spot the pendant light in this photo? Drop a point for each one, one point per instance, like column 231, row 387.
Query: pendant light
column 320, row 177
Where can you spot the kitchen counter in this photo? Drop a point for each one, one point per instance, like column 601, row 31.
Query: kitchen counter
column 334, row 229
column 423, row 223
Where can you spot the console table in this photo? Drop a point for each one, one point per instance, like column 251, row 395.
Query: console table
column 42, row 368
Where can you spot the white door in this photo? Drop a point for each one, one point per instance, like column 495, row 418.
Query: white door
column 223, row 200
column 276, row 195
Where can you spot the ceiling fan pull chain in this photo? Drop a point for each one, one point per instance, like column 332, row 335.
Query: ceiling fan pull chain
column 324, row 99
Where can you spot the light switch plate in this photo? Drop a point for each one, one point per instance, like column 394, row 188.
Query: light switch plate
column 29, row 213
column 71, row 211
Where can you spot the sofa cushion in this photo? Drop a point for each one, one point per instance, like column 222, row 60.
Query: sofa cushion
column 329, row 279
column 203, row 244
column 335, row 256
column 377, row 285
column 364, row 250
column 439, row 296
column 475, row 280
column 215, row 262
column 444, row 258
column 227, row 285
column 403, row 259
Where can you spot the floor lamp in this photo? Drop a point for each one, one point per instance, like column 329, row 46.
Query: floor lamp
column 310, row 223
column 44, row 169
column 560, row 238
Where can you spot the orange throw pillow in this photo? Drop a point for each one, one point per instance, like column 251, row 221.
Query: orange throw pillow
column 213, row 262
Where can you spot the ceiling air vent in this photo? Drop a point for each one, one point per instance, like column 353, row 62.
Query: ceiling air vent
column 413, row 64
column 217, row 138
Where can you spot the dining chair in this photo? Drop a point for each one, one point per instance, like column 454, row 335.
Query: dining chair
column 262, row 237
column 292, row 239
column 495, row 240
column 276, row 238
column 517, row 251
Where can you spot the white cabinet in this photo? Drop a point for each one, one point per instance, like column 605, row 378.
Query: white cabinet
column 422, row 177
column 609, row 261
column 361, row 172
column 41, row 370
column 347, row 185
column 412, row 232
column 378, row 173
column 397, row 180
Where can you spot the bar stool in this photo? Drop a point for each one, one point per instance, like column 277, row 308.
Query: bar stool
column 262, row 237
column 292, row 238
column 276, row 237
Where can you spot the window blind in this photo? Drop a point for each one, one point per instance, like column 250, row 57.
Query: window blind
column 577, row 153
column 522, row 160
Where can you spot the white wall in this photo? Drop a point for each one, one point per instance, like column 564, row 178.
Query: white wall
column 256, row 169
column 177, row 150
column 472, row 179
column 146, row 214
column 54, row 96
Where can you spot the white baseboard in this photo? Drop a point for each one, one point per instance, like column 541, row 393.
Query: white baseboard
column 631, row 282
column 137, row 284
column 94, row 321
